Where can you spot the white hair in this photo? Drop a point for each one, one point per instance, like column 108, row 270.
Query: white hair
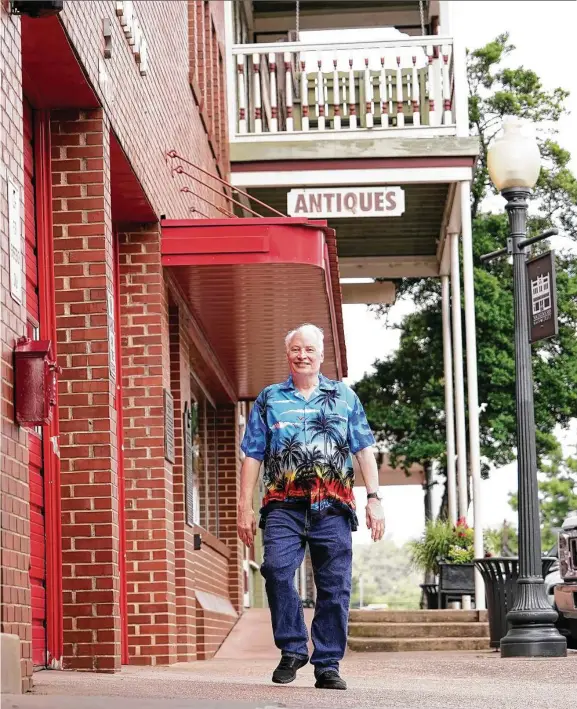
column 306, row 329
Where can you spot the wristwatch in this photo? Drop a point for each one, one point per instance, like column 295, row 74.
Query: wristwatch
column 373, row 496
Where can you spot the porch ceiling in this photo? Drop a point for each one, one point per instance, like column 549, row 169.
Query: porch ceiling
column 415, row 233
column 248, row 282
column 331, row 14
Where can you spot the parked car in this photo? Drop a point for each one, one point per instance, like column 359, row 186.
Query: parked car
column 564, row 583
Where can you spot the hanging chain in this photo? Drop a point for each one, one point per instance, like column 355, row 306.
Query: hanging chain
column 298, row 19
column 422, row 11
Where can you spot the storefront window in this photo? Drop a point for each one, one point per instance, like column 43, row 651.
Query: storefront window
column 200, row 462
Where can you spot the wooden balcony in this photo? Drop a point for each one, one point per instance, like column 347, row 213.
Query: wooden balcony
column 408, row 87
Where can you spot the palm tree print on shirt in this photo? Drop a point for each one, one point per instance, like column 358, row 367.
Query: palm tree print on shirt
column 326, row 427
column 327, row 398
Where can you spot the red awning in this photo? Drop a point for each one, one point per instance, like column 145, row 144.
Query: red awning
column 248, row 282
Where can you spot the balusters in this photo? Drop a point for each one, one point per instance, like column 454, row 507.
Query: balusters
column 369, row 119
column 336, row 98
column 273, row 93
column 320, row 96
column 431, row 84
column 400, row 114
column 257, row 98
column 413, row 82
column 383, row 95
column 416, row 94
column 447, row 113
column 289, row 91
column 352, row 98
column 242, row 127
column 304, row 98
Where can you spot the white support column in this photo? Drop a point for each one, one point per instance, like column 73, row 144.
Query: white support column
column 449, row 400
column 472, row 386
column 231, row 70
column 460, row 424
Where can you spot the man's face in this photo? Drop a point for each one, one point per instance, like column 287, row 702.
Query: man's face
column 304, row 354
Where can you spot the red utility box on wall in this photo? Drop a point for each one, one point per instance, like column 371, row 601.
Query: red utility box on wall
column 35, row 381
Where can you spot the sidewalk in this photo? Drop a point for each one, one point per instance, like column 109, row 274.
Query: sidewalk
column 432, row 680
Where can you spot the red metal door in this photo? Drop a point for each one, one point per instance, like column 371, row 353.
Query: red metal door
column 35, row 447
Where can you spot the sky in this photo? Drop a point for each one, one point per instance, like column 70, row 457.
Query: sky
column 544, row 35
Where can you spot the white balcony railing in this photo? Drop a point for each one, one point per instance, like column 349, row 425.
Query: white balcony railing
column 299, row 87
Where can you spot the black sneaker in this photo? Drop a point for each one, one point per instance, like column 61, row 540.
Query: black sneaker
column 330, row 679
column 287, row 669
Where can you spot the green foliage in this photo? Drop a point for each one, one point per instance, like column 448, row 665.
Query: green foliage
column 387, row 576
column 458, row 555
column 442, row 542
column 502, row 541
column 557, row 495
column 494, row 92
column 404, row 397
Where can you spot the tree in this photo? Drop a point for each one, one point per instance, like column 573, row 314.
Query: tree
column 557, row 494
column 387, row 574
column 404, row 397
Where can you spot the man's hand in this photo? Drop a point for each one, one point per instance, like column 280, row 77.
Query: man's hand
column 246, row 525
column 375, row 519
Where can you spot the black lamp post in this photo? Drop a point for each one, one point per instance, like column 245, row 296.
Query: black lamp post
column 514, row 164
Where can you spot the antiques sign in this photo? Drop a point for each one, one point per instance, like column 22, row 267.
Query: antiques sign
column 339, row 202
column 542, row 297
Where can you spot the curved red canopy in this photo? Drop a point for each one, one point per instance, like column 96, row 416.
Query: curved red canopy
column 248, row 282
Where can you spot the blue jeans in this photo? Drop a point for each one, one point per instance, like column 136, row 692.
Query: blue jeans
column 286, row 533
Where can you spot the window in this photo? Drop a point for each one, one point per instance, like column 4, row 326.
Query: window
column 200, row 462
column 191, row 455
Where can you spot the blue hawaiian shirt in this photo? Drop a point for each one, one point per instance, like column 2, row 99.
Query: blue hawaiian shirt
column 306, row 445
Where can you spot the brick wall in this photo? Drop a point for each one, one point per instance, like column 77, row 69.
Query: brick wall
column 214, row 620
column 200, row 630
column 149, row 477
column 15, row 542
column 149, row 115
column 228, row 490
column 183, row 534
column 154, row 113
column 83, row 257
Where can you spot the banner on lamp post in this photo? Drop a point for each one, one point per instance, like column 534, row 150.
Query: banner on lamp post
column 542, row 297
column 339, row 202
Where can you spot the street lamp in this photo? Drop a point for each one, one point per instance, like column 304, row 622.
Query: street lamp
column 513, row 161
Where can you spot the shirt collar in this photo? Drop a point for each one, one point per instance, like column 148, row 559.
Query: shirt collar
column 324, row 383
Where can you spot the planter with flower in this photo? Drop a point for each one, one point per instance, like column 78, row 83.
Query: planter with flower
column 446, row 550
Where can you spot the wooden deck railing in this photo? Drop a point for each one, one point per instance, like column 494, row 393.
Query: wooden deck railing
column 301, row 87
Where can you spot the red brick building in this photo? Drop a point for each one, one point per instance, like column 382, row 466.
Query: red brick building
column 163, row 314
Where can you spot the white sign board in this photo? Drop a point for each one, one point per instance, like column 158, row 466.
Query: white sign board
column 341, row 202
column 15, row 231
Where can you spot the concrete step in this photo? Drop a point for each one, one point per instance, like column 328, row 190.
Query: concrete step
column 416, row 644
column 417, row 616
column 418, row 630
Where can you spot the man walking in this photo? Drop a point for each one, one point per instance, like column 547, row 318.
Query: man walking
column 304, row 432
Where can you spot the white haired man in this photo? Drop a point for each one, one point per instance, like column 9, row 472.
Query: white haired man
column 304, row 431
